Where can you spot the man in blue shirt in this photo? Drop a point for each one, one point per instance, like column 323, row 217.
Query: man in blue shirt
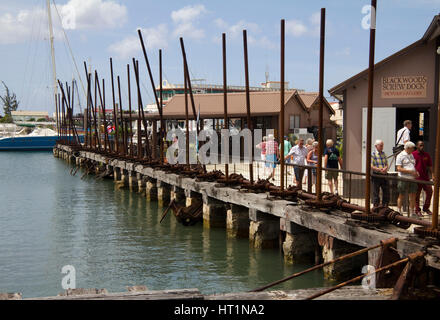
column 332, row 160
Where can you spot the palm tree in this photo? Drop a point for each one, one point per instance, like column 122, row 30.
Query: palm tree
column 10, row 104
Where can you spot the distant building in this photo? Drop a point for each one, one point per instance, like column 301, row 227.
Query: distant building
column 301, row 111
column 22, row 115
column 198, row 87
column 338, row 117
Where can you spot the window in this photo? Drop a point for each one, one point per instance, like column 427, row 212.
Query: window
column 294, row 122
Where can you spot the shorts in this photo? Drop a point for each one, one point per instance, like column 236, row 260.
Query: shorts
column 271, row 160
column 406, row 186
column 299, row 173
column 331, row 175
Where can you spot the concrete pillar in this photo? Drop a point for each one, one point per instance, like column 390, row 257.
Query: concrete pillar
column 214, row 213
column 141, row 180
column 178, row 195
column 237, row 222
column 264, row 229
column 116, row 173
column 192, row 197
column 163, row 193
column 132, row 180
column 124, row 179
column 333, row 248
column 300, row 243
column 151, row 190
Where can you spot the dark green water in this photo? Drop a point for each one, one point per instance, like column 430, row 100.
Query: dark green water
column 49, row 219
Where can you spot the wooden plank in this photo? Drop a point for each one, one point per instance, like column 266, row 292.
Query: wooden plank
column 178, row 294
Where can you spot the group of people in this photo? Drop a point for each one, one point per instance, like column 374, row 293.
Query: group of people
column 412, row 163
column 301, row 154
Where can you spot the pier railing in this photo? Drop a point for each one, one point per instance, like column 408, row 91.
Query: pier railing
column 350, row 186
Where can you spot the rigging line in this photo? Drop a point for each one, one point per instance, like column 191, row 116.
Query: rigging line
column 28, row 54
column 70, row 49
column 37, row 47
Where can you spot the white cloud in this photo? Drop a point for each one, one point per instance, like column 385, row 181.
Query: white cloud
column 154, row 38
column 94, row 14
column 344, row 52
column 235, row 31
column 185, row 20
column 295, row 28
column 76, row 14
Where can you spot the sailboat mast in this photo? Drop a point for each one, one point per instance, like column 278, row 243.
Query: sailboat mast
column 52, row 51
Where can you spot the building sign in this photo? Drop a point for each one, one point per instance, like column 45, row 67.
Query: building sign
column 404, row 87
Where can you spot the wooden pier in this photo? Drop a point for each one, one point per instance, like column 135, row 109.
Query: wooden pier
column 347, row 293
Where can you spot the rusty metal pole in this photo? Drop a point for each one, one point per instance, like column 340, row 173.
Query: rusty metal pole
column 124, row 140
column 115, row 117
column 321, row 107
column 248, row 105
column 186, row 117
column 102, row 101
column 225, row 102
column 435, row 209
column 104, row 116
column 281, row 131
column 161, row 132
column 129, row 110
column 139, row 129
column 370, row 107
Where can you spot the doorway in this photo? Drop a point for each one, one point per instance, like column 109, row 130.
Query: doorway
column 420, row 124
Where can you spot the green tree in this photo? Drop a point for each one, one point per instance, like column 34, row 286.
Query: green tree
column 10, row 102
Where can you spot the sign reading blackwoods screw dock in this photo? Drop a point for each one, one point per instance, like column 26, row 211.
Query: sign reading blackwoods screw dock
column 404, row 87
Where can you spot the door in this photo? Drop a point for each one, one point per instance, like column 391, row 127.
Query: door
column 384, row 128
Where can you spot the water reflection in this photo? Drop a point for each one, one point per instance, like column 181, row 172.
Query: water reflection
column 113, row 238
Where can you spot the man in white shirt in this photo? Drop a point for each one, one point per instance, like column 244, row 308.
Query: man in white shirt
column 299, row 153
column 405, row 166
column 403, row 135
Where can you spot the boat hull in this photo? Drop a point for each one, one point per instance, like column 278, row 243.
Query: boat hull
column 29, row 143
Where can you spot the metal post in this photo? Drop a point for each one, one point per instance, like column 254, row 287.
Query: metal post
column 102, row 100
column 435, row 209
column 225, row 102
column 281, row 131
column 321, row 105
column 162, row 128
column 248, row 104
column 370, row 107
column 186, row 117
column 129, row 110
column 124, row 140
column 115, row 118
column 139, row 142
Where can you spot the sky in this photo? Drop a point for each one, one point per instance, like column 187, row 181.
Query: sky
column 100, row 29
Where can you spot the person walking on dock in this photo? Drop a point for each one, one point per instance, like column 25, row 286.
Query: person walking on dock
column 379, row 165
column 332, row 160
column 271, row 155
column 424, row 168
column 405, row 166
column 262, row 147
column 299, row 153
column 312, row 160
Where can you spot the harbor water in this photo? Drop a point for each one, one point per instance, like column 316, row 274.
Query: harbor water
column 50, row 219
